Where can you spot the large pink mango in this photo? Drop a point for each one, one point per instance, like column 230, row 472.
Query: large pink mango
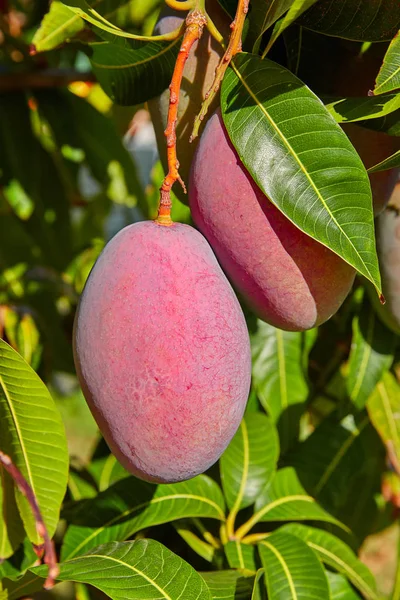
column 288, row 279
column 162, row 351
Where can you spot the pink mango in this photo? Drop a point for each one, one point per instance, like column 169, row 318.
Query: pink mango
column 162, row 351
column 287, row 278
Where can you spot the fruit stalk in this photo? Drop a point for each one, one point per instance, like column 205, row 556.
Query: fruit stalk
column 49, row 552
column 234, row 46
column 195, row 22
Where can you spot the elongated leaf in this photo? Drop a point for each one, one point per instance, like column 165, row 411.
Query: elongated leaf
column 133, row 73
column 372, row 353
column 365, row 20
column 135, row 571
column 228, row 585
column 30, row 431
column 131, row 504
column 328, row 459
column 199, row 546
column 106, row 471
column 240, row 556
column 350, row 110
column 279, row 379
column 262, row 16
column 340, row 588
column 390, row 162
column 301, row 159
column 384, row 411
column 19, row 562
column 11, row 528
column 292, row 570
column 297, row 8
column 58, row 26
column 388, row 78
column 336, row 554
column 257, row 586
column 285, row 499
column 23, row 587
column 249, row 462
column 80, row 488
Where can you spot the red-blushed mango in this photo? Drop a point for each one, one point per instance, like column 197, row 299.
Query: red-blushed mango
column 287, row 278
column 162, row 351
column 388, row 247
column 198, row 76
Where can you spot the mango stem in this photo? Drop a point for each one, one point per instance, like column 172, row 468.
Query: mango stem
column 195, row 22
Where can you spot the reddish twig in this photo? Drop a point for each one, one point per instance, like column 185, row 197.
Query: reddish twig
column 234, row 46
column 195, row 22
column 50, row 557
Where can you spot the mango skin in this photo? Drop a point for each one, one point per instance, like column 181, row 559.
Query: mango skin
column 287, row 278
column 388, row 247
column 162, row 351
column 198, row 76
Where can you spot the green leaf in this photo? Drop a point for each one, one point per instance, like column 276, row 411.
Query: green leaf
column 365, row 20
column 198, row 545
column 106, row 471
column 296, row 10
column 390, row 162
column 19, row 562
column 249, row 462
column 58, row 26
column 228, row 585
column 383, row 409
column 388, row 78
column 131, row 505
column 278, row 378
column 336, row 554
column 23, row 587
column 285, row 499
column 240, row 556
column 292, row 570
column 133, row 73
column 372, row 353
column 340, row 588
column 31, row 430
column 257, row 589
column 135, row 571
column 301, row 159
column 79, row 487
column 326, row 462
column 11, row 528
column 262, row 16
column 351, row 110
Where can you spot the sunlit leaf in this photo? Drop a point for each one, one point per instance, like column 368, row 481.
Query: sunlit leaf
column 278, row 378
column 292, row 570
column 58, row 26
column 384, row 412
column 300, row 158
column 297, row 8
column 350, row 110
column 390, row 162
column 131, row 505
column 31, row 430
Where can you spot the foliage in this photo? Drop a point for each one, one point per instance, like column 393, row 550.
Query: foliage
column 298, row 490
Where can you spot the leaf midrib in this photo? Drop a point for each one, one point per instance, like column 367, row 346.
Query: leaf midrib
column 285, row 568
column 304, row 170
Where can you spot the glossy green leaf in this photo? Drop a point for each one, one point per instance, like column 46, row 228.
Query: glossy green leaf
column 249, row 462
column 58, row 26
column 362, row 20
column 258, row 591
column 30, row 431
column 132, row 504
column 133, row 73
column 139, row 570
column 336, row 554
column 285, row 499
column 80, row 488
column 240, row 556
column 390, row 162
column 327, row 461
column 11, row 528
column 383, row 409
column 372, row 353
column 199, row 546
column 228, row 585
column 297, row 8
column 388, row 78
column 340, row 588
column 351, row 110
column 106, row 471
column 292, row 570
column 262, row 16
column 279, row 379
column 301, row 159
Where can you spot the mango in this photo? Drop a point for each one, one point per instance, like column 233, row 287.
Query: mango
column 197, row 78
column 287, row 278
column 388, row 247
column 162, row 351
